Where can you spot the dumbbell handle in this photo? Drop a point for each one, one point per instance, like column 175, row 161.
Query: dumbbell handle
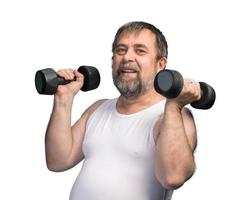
column 62, row 81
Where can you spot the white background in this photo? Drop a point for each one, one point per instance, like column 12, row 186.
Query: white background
column 205, row 43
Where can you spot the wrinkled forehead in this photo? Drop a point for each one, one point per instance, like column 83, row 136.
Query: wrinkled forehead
column 142, row 35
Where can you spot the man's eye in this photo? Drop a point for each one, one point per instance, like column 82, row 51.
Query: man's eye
column 140, row 51
column 120, row 50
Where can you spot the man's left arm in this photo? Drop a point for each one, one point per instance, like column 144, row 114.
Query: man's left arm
column 175, row 145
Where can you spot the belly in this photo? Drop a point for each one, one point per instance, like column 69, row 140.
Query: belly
column 101, row 179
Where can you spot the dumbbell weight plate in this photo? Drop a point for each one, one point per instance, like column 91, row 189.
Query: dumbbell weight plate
column 207, row 100
column 92, row 77
column 46, row 81
column 168, row 83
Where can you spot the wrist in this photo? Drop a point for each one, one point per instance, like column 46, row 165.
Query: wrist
column 63, row 100
column 172, row 105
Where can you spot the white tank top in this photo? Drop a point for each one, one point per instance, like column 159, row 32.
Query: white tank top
column 119, row 156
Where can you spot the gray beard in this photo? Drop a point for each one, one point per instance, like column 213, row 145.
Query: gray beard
column 131, row 88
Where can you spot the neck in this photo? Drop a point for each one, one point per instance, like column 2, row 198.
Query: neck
column 130, row 105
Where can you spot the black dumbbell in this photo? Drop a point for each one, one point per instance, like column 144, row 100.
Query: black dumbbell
column 47, row 80
column 169, row 83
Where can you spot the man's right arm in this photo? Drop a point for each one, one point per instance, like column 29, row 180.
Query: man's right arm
column 63, row 142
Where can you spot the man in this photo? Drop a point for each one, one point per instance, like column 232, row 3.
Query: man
column 138, row 146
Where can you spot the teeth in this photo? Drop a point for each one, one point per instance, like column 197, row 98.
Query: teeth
column 129, row 71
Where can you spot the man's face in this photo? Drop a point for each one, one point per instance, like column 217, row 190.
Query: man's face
column 134, row 62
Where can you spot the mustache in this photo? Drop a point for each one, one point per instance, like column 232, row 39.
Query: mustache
column 128, row 67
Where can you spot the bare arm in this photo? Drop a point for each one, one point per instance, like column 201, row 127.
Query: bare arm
column 63, row 142
column 175, row 146
column 58, row 140
column 176, row 141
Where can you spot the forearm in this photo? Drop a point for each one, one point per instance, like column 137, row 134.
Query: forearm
column 174, row 155
column 58, row 140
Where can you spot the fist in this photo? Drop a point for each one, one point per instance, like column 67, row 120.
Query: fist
column 190, row 92
column 74, row 86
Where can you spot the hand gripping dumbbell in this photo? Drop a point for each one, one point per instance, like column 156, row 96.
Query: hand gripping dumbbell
column 47, row 80
column 169, row 83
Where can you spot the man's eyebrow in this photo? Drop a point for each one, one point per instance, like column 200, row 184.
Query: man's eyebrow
column 141, row 46
column 120, row 45
column 136, row 45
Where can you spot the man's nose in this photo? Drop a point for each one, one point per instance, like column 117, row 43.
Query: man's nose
column 129, row 56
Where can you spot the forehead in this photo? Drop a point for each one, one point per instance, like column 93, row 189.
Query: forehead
column 144, row 37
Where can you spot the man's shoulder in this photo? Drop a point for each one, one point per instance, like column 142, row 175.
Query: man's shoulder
column 95, row 105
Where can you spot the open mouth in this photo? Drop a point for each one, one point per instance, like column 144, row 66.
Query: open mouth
column 128, row 73
column 125, row 71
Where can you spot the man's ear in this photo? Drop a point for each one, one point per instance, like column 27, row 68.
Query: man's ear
column 162, row 63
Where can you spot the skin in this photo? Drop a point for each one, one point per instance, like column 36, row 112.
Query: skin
column 174, row 132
